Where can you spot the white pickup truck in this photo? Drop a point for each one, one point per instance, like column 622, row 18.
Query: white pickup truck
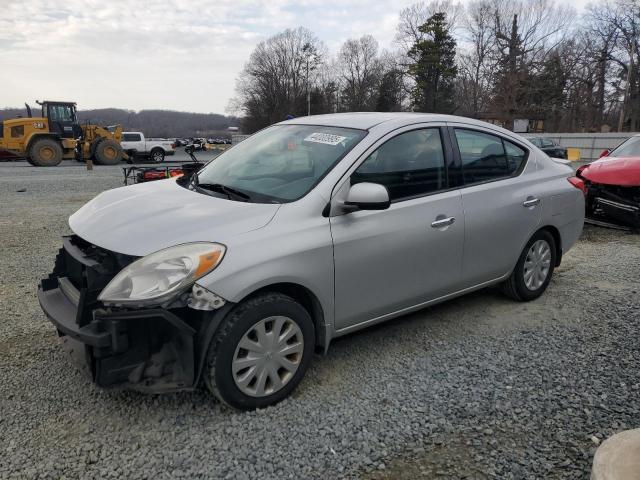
column 153, row 148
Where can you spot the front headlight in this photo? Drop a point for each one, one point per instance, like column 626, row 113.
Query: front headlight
column 158, row 277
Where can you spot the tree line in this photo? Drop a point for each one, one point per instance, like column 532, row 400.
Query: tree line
column 498, row 60
column 153, row 123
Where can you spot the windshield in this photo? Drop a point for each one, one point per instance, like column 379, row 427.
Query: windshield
column 630, row 148
column 281, row 163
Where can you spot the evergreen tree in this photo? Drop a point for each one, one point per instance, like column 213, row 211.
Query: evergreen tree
column 434, row 68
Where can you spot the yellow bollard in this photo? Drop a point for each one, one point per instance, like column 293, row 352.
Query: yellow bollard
column 573, row 154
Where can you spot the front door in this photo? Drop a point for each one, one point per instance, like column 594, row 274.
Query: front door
column 394, row 259
column 62, row 119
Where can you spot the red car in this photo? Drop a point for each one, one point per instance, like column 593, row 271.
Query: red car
column 612, row 184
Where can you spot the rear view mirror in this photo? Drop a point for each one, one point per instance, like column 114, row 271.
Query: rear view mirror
column 604, row 153
column 368, row 196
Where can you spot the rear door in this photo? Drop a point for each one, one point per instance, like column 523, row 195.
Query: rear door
column 501, row 197
column 390, row 260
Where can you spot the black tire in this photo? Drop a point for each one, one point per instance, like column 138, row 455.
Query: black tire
column 156, row 155
column 108, row 152
column 515, row 286
column 218, row 374
column 45, row 152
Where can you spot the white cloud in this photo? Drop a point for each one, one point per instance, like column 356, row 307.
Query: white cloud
column 180, row 54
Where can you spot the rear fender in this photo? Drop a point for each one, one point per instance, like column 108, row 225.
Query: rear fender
column 34, row 136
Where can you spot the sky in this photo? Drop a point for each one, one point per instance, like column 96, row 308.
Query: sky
column 162, row 54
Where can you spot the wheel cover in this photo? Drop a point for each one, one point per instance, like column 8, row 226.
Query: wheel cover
column 47, row 153
column 157, row 156
column 537, row 265
column 267, row 356
column 110, row 152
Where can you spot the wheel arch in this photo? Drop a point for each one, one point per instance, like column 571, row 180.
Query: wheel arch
column 34, row 137
column 304, row 297
column 555, row 233
column 299, row 293
column 157, row 147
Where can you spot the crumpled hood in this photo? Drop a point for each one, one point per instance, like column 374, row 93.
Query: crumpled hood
column 613, row 171
column 143, row 218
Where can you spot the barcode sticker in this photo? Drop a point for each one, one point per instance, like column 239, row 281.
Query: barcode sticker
column 326, row 138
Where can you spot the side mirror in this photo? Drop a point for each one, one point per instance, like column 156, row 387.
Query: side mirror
column 604, row 153
column 368, row 196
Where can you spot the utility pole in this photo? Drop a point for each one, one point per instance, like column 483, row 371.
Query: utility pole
column 308, row 50
column 628, row 87
column 308, row 91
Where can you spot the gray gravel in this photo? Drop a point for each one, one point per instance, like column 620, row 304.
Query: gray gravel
column 479, row 387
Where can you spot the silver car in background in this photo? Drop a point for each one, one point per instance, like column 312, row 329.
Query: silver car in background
column 308, row 230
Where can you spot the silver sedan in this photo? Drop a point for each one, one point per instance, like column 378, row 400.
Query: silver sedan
column 308, row 230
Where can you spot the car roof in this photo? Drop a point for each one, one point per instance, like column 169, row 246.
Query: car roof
column 368, row 120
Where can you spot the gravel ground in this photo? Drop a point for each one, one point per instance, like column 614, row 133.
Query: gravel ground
column 479, row 387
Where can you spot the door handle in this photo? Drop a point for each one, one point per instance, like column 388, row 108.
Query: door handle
column 443, row 222
column 530, row 202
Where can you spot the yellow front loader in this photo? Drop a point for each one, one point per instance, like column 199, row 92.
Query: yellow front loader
column 44, row 141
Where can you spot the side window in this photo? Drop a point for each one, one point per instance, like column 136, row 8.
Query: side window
column 487, row 157
column 410, row 164
column 515, row 156
column 131, row 137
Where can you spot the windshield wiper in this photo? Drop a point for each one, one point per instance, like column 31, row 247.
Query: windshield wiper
column 228, row 191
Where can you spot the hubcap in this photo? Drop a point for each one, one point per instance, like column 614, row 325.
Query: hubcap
column 110, row 152
column 157, row 156
column 267, row 356
column 47, row 153
column 537, row 265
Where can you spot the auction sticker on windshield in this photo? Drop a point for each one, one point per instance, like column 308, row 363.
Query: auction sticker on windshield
column 326, row 138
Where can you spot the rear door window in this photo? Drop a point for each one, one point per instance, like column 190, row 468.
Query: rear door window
column 409, row 165
column 487, row 157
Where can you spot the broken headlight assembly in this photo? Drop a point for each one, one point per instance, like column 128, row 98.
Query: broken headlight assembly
column 159, row 277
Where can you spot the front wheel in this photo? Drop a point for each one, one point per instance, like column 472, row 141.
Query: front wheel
column 534, row 269
column 261, row 352
column 108, row 152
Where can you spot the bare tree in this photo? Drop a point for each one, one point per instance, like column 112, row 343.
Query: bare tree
column 360, row 72
column 624, row 17
column 475, row 65
column 274, row 82
column 525, row 33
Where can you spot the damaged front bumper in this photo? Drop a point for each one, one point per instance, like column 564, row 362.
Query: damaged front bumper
column 151, row 349
column 620, row 205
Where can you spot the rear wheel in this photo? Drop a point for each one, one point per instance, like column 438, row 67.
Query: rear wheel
column 45, row 152
column 261, row 352
column 108, row 152
column 156, row 155
column 534, row 269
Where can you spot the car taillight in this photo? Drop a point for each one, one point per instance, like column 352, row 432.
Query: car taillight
column 578, row 183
